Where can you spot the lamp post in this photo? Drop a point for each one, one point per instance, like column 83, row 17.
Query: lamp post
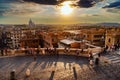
column 103, row 39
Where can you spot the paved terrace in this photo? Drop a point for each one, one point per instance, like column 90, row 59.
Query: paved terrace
column 62, row 67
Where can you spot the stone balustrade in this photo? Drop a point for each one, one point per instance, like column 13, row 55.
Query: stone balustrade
column 69, row 51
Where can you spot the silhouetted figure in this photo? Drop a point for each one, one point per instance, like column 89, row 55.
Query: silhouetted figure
column 77, row 52
column 91, row 62
column 26, row 51
column 118, row 45
column 47, row 50
column 115, row 47
column 97, row 61
column 56, row 52
column 65, row 50
column 91, row 55
column 99, row 54
column 81, row 51
column 5, row 51
column 2, row 52
column 106, row 48
column 38, row 51
column 35, row 56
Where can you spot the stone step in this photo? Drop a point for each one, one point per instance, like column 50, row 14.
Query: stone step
column 111, row 57
column 115, row 58
column 117, row 61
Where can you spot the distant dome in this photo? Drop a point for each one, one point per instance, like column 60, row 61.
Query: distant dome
column 31, row 23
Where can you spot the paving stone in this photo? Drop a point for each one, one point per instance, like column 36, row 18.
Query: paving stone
column 62, row 68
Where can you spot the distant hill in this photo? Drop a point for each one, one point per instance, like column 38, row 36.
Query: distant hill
column 108, row 24
column 105, row 24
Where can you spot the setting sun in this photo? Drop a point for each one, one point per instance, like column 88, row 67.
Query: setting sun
column 66, row 8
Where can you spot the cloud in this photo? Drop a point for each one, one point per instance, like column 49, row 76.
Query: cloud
column 95, row 15
column 113, row 10
column 3, row 7
column 23, row 9
column 45, row 2
column 79, row 3
column 88, row 15
column 113, row 7
column 10, row 1
column 87, row 3
column 114, row 4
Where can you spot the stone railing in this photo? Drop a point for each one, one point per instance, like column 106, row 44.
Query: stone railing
column 49, row 51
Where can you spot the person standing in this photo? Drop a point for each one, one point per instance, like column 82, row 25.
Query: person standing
column 91, row 58
column 90, row 55
column 5, row 51
column 97, row 61
column 34, row 54
column 2, row 52
column 35, row 57
column 37, row 51
column 77, row 52
column 99, row 54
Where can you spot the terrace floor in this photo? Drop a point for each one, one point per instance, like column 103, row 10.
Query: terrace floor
column 64, row 67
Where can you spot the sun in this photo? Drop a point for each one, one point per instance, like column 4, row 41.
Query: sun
column 66, row 9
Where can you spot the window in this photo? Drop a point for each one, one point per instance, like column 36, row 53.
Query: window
column 96, row 40
column 118, row 41
column 97, row 36
column 109, row 40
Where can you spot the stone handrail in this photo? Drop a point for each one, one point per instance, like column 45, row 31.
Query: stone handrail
column 69, row 51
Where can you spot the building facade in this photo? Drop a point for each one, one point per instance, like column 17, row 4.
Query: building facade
column 112, row 37
column 95, row 36
column 50, row 39
column 29, row 39
column 16, row 36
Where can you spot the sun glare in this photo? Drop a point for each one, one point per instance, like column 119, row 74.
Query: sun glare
column 66, row 9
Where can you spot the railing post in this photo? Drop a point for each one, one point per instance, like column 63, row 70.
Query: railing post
column 12, row 75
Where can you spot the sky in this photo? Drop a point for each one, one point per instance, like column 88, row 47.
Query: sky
column 59, row 11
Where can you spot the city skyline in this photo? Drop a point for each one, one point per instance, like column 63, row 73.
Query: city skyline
column 59, row 11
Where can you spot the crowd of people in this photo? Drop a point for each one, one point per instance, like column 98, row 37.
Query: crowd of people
column 95, row 61
column 54, row 51
column 3, row 51
column 111, row 48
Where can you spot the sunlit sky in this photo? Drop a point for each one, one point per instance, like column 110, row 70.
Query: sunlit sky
column 59, row 11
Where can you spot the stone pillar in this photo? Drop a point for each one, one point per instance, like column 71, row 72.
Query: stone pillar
column 12, row 75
